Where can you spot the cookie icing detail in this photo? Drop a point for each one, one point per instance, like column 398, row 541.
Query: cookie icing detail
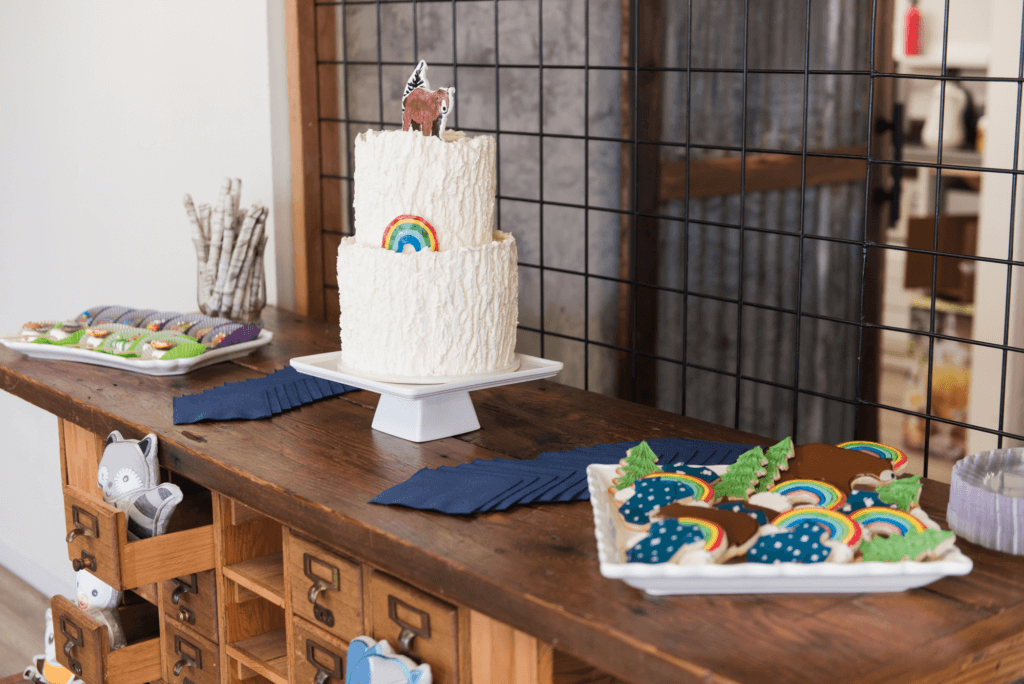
column 841, row 528
column 887, row 521
column 814, row 492
column 899, row 459
column 802, row 543
column 667, row 537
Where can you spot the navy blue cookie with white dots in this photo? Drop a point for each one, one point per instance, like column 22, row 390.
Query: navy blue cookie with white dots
column 701, row 472
column 858, row 499
column 759, row 513
column 804, row 543
column 649, row 494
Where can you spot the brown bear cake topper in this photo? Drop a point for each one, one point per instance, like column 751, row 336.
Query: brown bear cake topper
column 424, row 109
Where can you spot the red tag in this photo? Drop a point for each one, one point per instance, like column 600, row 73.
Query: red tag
column 912, row 32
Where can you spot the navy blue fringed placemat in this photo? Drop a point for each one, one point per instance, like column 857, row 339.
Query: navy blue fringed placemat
column 257, row 398
column 495, row 485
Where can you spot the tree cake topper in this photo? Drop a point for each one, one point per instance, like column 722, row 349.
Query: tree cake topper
column 424, row 109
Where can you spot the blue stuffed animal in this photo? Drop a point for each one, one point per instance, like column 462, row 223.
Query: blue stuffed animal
column 374, row 662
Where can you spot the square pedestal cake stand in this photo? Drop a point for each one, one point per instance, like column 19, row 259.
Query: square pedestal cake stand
column 421, row 413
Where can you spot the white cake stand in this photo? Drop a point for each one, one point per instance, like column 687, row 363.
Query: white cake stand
column 421, row 412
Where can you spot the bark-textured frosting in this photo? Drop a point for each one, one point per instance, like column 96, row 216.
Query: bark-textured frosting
column 450, row 184
column 428, row 313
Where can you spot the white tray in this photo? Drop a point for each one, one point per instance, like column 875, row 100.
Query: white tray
column 424, row 412
column 751, row 578
column 54, row 352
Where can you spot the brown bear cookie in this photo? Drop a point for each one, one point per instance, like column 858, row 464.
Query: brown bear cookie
column 838, row 467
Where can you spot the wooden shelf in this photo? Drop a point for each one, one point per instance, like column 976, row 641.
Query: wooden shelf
column 266, row 655
column 263, row 576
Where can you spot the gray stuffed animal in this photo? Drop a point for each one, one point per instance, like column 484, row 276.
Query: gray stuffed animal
column 130, row 479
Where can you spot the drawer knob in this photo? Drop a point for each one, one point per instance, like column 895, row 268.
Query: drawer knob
column 86, row 562
column 409, row 631
column 186, row 615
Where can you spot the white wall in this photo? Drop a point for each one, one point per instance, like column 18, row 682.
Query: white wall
column 109, row 113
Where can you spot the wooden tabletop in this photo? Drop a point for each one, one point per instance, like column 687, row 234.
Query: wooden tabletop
column 535, row 567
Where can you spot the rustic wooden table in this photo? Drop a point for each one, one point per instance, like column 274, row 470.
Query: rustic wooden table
column 535, row 567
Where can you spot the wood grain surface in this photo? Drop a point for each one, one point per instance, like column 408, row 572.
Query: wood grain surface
column 533, row 567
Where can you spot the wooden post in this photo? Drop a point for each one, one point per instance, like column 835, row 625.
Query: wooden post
column 304, row 124
column 80, row 454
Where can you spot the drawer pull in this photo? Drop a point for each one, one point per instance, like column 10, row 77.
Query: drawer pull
column 85, row 524
column 187, row 616
column 86, row 562
column 320, row 585
column 189, row 587
column 324, row 672
column 193, row 659
column 71, row 643
column 409, row 632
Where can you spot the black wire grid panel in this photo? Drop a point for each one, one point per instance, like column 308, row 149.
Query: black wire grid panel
column 365, row 52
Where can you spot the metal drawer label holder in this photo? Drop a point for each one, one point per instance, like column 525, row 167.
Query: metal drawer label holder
column 72, row 642
column 323, row 672
column 320, row 584
column 409, row 632
column 193, row 659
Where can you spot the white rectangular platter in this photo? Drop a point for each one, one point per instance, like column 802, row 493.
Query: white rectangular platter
column 750, row 578
column 145, row 366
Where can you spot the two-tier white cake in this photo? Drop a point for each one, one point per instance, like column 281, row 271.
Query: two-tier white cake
column 406, row 309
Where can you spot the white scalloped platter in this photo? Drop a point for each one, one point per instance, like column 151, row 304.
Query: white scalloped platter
column 751, row 578
column 145, row 366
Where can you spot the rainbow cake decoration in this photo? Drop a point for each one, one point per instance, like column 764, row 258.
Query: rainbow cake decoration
column 843, row 528
column 410, row 231
column 899, row 459
column 887, row 521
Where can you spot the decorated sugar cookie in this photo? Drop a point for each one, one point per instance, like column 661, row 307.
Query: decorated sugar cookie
column 639, row 461
column 741, row 530
column 841, row 468
column 914, row 545
column 778, row 460
column 409, row 231
column 841, row 528
column 742, row 477
column 887, row 521
column 811, row 492
column 903, row 493
column 859, row 499
column 898, row 458
column 699, row 472
column 761, row 515
column 661, row 489
column 805, row 542
column 678, row 538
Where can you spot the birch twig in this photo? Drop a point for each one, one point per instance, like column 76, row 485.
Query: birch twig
column 247, row 268
column 238, row 255
column 216, row 237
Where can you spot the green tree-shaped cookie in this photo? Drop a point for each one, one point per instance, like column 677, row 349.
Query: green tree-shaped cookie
column 778, row 460
column 911, row 546
column 741, row 478
column 902, row 492
column 640, row 460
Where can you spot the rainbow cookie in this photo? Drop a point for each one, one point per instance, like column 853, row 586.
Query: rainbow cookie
column 813, row 492
column 898, row 458
column 683, row 540
column 805, row 542
column 412, row 231
column 887, row 522
column 660, row 489
column 841, row 527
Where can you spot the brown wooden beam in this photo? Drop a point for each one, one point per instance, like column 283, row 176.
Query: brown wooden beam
column 303, row 121
column 764, row 173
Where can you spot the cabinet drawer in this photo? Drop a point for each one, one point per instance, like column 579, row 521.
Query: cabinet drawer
column 316, row 653
column 98, row 542
column 192, row 601
column 83, row 646
column 188, row 657
column 416, row 624
column 325, row 588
